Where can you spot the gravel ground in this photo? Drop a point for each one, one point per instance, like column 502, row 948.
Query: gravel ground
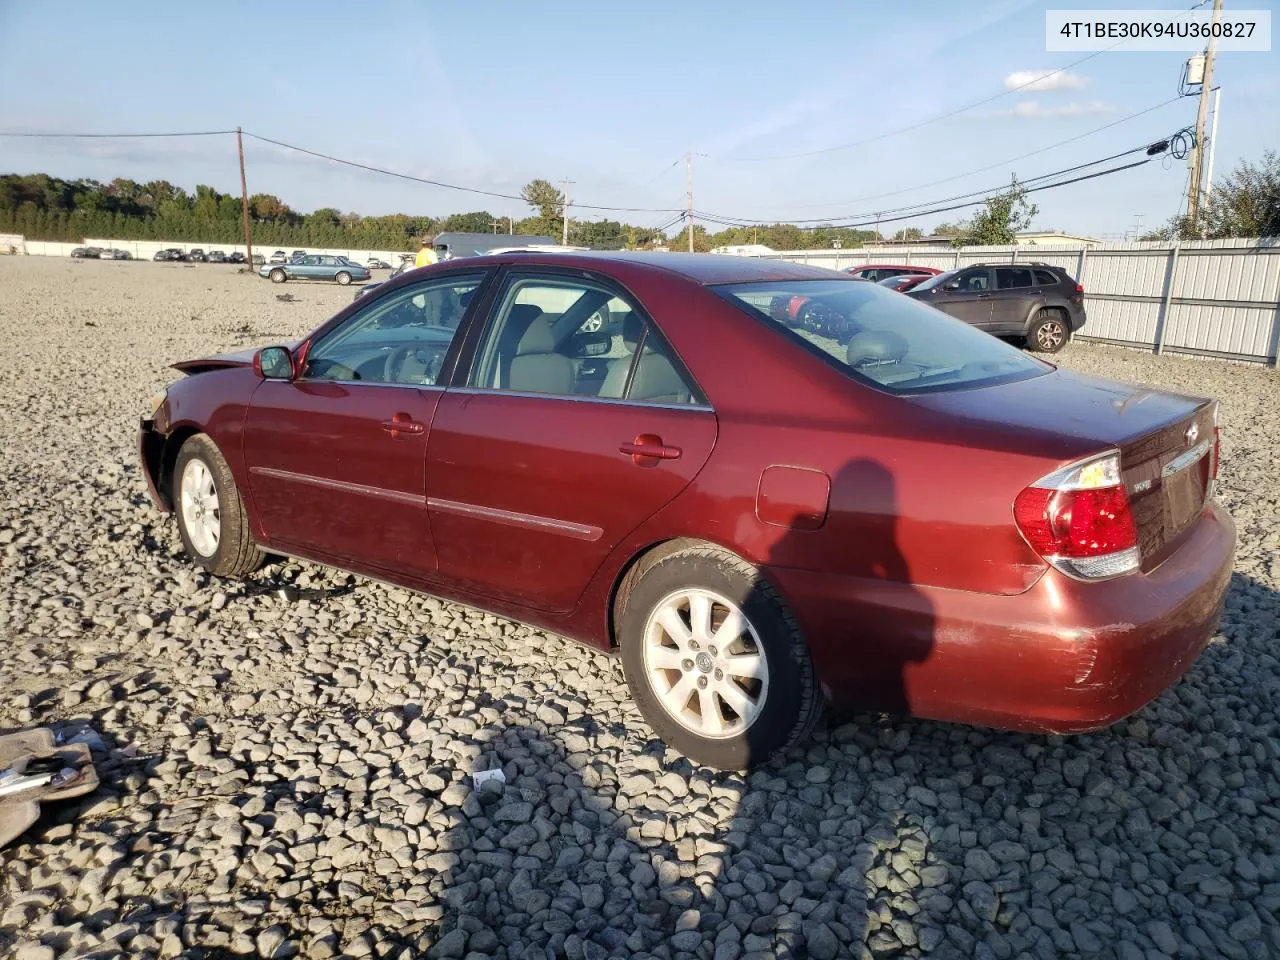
column 287, row 763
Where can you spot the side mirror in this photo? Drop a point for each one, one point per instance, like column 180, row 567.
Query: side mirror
column 953, row 285
column 273, row 363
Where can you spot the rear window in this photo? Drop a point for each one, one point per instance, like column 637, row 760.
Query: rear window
column 882, row 338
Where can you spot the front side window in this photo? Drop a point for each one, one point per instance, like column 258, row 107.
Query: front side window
column 974, row 281
column 882, row 338
column 400, row 339
column 574, row 338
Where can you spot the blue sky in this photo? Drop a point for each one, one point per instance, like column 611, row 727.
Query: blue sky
column 611, row 95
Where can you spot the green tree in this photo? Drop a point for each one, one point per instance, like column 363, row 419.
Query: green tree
column 546, row 199
column 910, row 233
column 1247, row 202
column 999, row 223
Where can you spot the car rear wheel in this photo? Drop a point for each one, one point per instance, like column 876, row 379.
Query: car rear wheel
column 277, row 276
column 343, row 277
column 211, row 516
column 714, row 659
column 1049, row 332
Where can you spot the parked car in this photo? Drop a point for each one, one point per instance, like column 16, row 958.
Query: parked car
column 314, row 266
column 452, row 245
column 86, row 253
column 376, row 264
column 904, row 281
column 258, row 258
column 279, row 257
column 1042, row 303
column 194, row 255
column 167, row 254
column 757, row 519
column 235, row 256
column 297, row 253
column 876, row 272
column 216, row 256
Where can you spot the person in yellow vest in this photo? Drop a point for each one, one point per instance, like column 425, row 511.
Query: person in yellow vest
column 427, row 255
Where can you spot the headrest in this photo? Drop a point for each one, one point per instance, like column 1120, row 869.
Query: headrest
column 876, row 346
column 539, row 338
column 632, row 328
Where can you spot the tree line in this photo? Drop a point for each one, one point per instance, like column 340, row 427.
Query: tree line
column 1244, row 204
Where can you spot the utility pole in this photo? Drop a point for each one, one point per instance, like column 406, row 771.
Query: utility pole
column 1213, row 141
column 244, row 204
column 564, row 232
column 1202, row 113
column 688, row 178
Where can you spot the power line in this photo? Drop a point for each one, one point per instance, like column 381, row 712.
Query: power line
column 440, row 183
column 112, row 136
column 945, row 209
column 1039, row 78
column 1174, row 144
column 993, row 166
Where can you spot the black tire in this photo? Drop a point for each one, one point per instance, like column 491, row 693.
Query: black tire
column 278, row 276
column 1049, row 331
column 235, row 555
column 343, row 277
column 793, row 702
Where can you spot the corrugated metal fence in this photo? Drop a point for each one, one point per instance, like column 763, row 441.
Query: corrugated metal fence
column 1216, row 298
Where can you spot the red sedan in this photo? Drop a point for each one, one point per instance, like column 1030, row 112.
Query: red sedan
column 633, row 451
column 875, row 272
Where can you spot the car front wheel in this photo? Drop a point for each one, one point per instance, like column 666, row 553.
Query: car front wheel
column 1049, row 332
column 714, row 659
column 277, row 276
column 211, row 516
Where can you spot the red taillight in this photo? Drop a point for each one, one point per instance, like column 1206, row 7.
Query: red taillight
column 1079, row 288
column 1079, row 520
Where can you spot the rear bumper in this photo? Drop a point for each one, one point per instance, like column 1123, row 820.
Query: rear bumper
column 1061, row 657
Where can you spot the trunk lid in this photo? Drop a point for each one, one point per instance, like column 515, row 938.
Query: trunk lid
column 1166, row 440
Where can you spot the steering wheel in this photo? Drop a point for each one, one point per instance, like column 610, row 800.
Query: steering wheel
column 395, row 362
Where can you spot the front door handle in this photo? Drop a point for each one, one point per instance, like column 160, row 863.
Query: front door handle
column 984, row 296
column 402, row 423
column 649, row 447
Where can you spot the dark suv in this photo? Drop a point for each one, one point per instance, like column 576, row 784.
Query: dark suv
column 1042, row 303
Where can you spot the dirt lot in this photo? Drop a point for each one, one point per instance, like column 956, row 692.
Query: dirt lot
column 304, row 743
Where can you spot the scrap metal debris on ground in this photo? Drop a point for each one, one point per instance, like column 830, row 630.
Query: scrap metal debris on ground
column 36, row 769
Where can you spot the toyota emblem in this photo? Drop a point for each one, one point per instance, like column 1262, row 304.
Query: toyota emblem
column 1192, row 432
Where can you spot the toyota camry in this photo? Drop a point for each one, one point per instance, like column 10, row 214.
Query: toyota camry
column 758, row 518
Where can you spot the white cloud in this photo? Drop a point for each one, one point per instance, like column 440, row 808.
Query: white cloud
column 1045, row 80
column 1037, row 110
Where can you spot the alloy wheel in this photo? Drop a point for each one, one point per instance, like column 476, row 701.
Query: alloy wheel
column 705, row 663
column 200, row 512
column 1050, row 335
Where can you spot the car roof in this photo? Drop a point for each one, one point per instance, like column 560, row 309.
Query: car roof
column 702, row 268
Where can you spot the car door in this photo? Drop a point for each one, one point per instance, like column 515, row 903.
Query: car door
column 337, row 457
column 1012, row 300
column 967, row 297
column 538, row 466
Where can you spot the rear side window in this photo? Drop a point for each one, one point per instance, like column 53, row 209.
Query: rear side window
column 882, row 338
column 1010, row 278
column 1045, row 279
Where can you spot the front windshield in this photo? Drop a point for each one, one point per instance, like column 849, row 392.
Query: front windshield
column 935, row 280
column 882, row 337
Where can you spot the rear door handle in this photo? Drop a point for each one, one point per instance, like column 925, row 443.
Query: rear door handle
column 984, row 296
column 648, row 447
column 402, row 423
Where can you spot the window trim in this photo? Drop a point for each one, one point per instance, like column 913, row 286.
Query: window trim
column 341, row 322
column 505, row 277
